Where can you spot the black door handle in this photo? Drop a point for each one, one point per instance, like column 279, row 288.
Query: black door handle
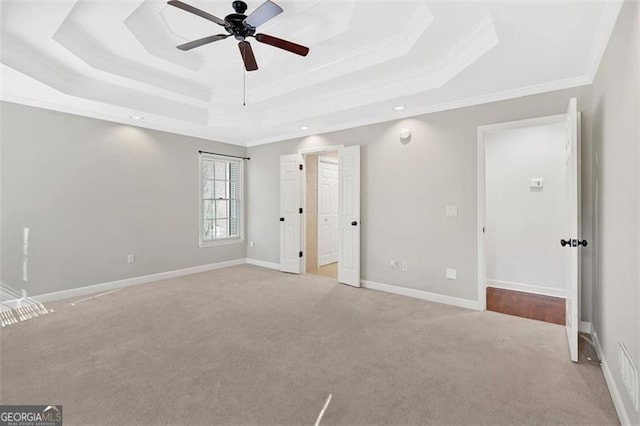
column 574, row 243
column 354, row 223
column 282, row 219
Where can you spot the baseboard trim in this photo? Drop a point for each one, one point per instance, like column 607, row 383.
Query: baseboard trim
column 527, row 288
column 424, row 295
column 98, row 288
column 584, row 327
column 616, row 393
column 263, row 264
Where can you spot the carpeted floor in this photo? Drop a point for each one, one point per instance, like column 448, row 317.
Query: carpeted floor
column 329, row 271
column 247, row 345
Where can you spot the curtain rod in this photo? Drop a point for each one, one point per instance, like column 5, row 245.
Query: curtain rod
column 224, row 155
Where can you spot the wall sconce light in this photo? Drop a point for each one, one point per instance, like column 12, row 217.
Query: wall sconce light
column 405, row 136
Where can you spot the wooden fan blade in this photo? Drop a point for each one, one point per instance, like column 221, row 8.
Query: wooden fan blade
column 283, row 44
column 246, row 51
column 262, row 14
column 202, row 41
column 196, row 11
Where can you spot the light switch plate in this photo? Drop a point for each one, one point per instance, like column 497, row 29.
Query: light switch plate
column 451, row 211
column 536, row 183
column 452, row 274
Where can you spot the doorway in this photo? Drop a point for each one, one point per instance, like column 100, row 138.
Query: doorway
column 529, row 219
column 321, row 225
column 294, row 252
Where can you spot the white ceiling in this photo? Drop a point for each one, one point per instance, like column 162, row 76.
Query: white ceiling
column 113, row 59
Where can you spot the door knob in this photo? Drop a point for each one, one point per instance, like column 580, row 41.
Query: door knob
column 354, row 223
column 282, row 219
column 574, row 243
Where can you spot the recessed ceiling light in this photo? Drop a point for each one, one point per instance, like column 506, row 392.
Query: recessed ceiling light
column 136, row 117
column 304, row 128
column 399, row 108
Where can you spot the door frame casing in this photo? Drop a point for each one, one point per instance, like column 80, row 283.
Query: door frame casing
column 304, row 152
column 481, row 190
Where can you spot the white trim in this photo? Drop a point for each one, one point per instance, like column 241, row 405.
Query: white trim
column 240, row 200
column 569, row 83
column 222, row 242
column 423, row 295
column 481, row 190
column 608, row 20
column 98, row 288
column 321, row 149
column 585, row 327
column 263, row 264
column 527, row 288
column 616, row 394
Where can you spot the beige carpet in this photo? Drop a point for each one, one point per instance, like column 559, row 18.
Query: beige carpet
column 246, row 345
column 329, row 271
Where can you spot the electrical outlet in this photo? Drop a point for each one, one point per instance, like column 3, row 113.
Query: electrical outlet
column 393, row 264
column 452, row 274
column 131, row 259
column 252, row 243
column 405, row 266
column 629, row 373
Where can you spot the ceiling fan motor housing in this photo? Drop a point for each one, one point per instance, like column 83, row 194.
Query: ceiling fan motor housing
column 236, row 26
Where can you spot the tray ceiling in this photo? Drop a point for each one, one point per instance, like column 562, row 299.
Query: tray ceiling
column 117, row 59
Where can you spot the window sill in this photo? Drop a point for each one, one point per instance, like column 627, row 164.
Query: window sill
column 224, row 242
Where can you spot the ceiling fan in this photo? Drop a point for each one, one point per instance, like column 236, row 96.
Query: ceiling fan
column 241, row 27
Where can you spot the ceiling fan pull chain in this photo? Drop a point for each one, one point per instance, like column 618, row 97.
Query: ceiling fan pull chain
column 244, row 88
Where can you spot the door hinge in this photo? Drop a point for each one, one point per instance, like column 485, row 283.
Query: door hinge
column 301, row 167
column 300, row 254
column 300, row 210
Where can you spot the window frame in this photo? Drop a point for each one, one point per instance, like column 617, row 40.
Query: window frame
column 240, row 200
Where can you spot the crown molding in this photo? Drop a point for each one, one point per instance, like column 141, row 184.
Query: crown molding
column 429, row 109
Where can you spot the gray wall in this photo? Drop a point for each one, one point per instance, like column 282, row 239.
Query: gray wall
column 93, row 191
column 616, row 135
column 405, row 189
column 516, row 213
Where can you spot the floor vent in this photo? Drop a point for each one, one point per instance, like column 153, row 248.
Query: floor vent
column 629, row 373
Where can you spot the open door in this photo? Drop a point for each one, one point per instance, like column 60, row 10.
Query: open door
column 349, row 216
column 573, row 243
column 290, row 213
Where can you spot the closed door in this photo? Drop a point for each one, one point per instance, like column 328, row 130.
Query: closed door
column 327, row 212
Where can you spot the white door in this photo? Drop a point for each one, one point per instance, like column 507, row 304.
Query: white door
column 290, row 214
column 572, row 243
column 349, row 216
column 327, row 212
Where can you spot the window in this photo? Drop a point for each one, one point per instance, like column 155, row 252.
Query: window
column 220, row 199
